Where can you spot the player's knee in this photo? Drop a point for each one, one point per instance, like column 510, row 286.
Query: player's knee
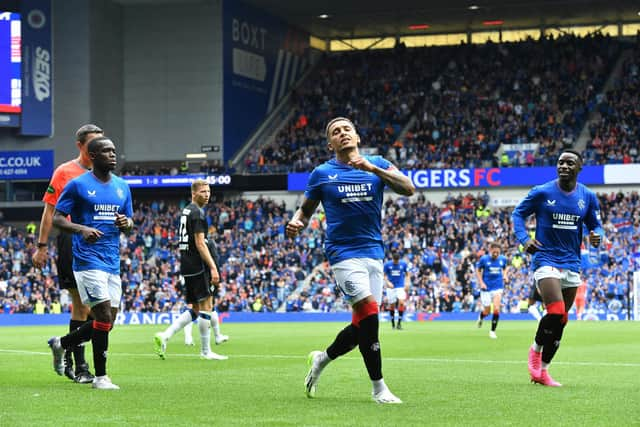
column 84, row 311
column 556, row 307
column 205, row 305
column 496, row 313
column 362, row 311
column 368, row 334
column 102, row 326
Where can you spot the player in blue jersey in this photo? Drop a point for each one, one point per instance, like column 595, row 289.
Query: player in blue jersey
column 396, row 273
column 99, row 206
column 79, row 312
column 562, row 208
column 491, row 272
column 350, row 187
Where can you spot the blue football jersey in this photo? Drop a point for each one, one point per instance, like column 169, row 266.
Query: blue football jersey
column 352, row 201
column 560, row 217
column 492, row 271
column 396, row 273
column 94, row 203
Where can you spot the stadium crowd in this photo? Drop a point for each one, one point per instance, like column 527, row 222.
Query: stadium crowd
column 473, row 105
column 614, row 131
column 459, row 104
column 262, row 270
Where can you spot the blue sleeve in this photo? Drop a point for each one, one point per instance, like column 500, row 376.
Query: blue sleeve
column 313, row 191
column 386, row 268
column 128, row 205
column 381, row 162
column 67, row 198
column 593, row 219
column 525, row 208
column 480, row 263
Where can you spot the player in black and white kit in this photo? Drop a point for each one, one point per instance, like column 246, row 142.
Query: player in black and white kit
column 200, row 275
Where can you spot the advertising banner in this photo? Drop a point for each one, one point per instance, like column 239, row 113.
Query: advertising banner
column 16, row 165
column 622, row 174
column 636, row 295
column 37, row 68
column 475, row 178
column 242, row 317
column 262, row 58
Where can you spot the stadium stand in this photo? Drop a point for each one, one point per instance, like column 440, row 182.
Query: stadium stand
column 614, row 130
column 507, row 104
column 264, row 271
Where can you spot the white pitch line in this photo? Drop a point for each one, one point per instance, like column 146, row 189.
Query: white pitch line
column 386, row 359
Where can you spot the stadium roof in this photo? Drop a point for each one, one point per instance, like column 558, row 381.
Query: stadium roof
column 371, row 18
column 366, row 18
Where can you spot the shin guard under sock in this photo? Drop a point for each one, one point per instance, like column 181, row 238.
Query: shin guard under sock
column 100, row 343
column 369, row 346
column 80, row 335
column 346, row 340
column 78, row 350
column 494, row 321
column 549, row 351
column 550, row 330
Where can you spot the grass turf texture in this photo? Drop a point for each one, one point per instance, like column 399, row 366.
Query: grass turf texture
column 447, row 373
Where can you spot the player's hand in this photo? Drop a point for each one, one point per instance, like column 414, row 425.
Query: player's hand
column 532, row 246
column 215, row 277
column 483, row 286
column 40, row 257
column 294, row 227
column 91, row 235
column 359, row 162
column 594, row 239
column 122, row 221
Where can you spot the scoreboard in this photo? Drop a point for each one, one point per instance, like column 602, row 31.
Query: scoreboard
column 26, row 67
column 10, row 63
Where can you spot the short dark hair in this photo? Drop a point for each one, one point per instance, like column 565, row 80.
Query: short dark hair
column 337, row 119
column 572, row 151
column 84, row 130
column 95, row 143
column 494, row 245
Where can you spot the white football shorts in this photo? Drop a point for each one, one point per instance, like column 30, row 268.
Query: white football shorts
column 96, row 286
column 358, row 278
column 568, row 278
column 486, row 297
column 395, row 294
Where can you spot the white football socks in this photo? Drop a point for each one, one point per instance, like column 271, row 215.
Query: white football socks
column 533, row 310
column 204, row 326
column 188, row 333
column 215, row 323
column 183, row 320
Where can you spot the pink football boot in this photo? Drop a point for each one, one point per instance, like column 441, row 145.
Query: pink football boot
column 534, row 365
column 545, row 379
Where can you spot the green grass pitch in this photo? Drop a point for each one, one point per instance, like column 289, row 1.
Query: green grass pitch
column 447, row 373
